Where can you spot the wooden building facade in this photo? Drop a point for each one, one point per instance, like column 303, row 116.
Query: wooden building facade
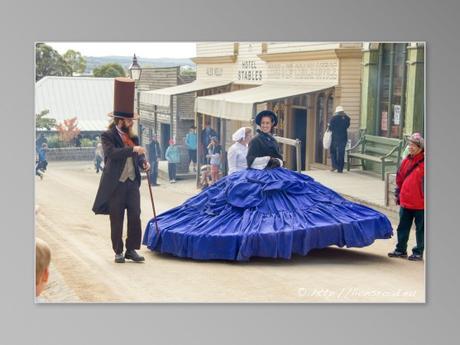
column 166, row 123
column 321, row 76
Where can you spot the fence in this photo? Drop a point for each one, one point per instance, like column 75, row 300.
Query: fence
column 297, row 144
column 71, row 154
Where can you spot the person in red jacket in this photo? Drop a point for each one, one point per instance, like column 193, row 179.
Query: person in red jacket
column 410, row 196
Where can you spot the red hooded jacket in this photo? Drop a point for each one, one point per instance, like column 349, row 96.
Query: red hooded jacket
column 411, row 192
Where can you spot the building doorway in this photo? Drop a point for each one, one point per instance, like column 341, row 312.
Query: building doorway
column 300, row 132
column 324, row 112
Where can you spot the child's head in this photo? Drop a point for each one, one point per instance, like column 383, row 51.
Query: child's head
column 42, row 262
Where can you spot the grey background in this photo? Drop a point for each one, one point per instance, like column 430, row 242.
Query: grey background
column 22, row 23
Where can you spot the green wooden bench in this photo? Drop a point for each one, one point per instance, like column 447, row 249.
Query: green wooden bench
column 381, row 150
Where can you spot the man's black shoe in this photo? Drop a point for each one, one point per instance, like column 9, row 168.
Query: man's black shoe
column 119, row 258
column 397, row 254
column 415, row 257
column 132, row 255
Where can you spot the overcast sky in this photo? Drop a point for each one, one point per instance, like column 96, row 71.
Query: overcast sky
column 141, row 49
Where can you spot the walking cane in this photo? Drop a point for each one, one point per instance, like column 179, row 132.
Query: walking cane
column 151, row 198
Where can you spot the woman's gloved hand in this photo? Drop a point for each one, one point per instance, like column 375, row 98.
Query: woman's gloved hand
column 273, row 163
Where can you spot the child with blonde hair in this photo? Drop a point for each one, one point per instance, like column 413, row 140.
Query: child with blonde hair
column 42, row 262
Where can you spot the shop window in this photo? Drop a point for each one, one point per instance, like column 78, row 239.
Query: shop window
column 391, row 89
column 300, row 100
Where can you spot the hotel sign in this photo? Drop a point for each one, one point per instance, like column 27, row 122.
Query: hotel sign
column 304, row 70
column 249, row 71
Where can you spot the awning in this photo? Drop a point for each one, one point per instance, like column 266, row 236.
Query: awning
column 162, row 97
column 239, row 105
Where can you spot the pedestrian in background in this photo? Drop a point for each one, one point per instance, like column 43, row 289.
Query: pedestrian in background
column 191, row 143
column 173, row 157
column 206, row 136
column 410, row 196
column 78, row 140
column 154, row 152
column 40, row 141
column 205, row 180
column 214, row 155
column 338, row 125
column 42, row 163
column 98, row 157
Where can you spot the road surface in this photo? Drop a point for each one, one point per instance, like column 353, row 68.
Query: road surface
column 83, row 269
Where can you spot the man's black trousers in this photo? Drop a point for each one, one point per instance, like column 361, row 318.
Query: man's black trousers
column 126, row 196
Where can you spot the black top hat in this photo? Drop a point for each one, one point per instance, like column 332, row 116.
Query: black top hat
column 267, row 113
column 123, row 99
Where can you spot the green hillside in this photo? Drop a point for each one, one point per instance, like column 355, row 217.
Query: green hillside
column 125, row 61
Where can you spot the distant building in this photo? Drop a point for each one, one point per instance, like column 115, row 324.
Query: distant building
column 172, row 120
column 88, row 99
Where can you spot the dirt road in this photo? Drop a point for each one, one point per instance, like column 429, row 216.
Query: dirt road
column 84, row 270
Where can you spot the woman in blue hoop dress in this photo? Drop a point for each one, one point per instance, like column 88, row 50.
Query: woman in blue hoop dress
column 264, row 211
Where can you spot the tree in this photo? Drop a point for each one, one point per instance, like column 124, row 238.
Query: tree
column 68, row 130
column 110, row 70
column 75, row 61
column 44, row 123
column 49, row 62
column 188, row 72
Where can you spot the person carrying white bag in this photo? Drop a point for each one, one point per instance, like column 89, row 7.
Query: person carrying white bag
column 327, row 139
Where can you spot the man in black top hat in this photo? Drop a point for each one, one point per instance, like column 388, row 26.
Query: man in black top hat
column 121, row 178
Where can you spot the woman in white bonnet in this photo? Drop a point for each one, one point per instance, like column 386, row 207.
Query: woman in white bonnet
column 238, row 151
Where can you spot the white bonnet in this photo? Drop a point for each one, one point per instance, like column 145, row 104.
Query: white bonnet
column 239, row 134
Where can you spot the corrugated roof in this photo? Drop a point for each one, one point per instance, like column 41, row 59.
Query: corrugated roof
column 89, row 99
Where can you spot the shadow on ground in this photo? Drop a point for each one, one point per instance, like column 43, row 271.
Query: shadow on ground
column 325, row 256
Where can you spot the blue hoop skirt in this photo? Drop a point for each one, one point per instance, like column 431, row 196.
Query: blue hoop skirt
column 267, row 213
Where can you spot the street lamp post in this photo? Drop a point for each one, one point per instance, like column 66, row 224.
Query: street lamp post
column 135, row 71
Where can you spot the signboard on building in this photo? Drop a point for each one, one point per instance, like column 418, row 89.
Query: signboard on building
column 384, row 121
column 320, row 70
column 214, row 71
column 396, row 114
column 248, row 70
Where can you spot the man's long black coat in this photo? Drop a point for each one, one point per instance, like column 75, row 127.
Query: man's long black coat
column 115, row 155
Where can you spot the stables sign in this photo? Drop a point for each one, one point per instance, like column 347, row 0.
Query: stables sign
column 249, row 71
